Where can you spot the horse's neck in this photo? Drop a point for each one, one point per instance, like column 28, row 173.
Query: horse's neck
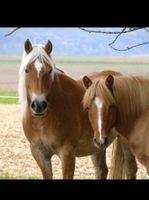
column 138, row 136
column 66, row 84
column 65, row 91
column 65, row 100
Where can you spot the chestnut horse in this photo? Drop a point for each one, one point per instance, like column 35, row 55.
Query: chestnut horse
column 115, row 106
column 120, row 103
column 138, row 139
column 54, row 120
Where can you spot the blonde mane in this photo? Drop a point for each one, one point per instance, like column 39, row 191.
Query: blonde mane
column 131, row 94
column 99, row 89
column 37, row 52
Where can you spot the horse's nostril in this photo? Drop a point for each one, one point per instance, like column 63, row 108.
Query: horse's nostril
column 44, row 105
column 96, row 141
column 34, row 105
column 39, row 107
column 105, row 140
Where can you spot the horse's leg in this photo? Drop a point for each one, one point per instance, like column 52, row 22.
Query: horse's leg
column 67, row 156
column 43, row 159
column 99, row 161
column 130, row 162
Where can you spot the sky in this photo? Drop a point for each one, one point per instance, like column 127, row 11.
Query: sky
column 73, row 41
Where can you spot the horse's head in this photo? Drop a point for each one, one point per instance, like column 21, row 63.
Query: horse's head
column 37, row 70
column 102, row 111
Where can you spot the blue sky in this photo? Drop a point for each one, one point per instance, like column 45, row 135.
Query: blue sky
column 73, row 41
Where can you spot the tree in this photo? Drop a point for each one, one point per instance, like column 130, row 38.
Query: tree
column 124, row 30
column 10, row 33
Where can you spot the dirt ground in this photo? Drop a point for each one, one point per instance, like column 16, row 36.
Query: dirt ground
column 16, row 159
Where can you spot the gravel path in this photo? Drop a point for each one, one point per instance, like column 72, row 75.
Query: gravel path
column 15, row 156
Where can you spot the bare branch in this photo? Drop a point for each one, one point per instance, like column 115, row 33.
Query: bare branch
column 15, row 29
column 119, row 33
column 117, row 37
column 131, row 47
column 111, row 32
column 146, row 29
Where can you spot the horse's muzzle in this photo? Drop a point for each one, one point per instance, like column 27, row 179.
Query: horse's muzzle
column 39, row 108
column 100, row 142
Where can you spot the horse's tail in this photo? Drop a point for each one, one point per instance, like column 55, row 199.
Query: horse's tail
column 117, row 170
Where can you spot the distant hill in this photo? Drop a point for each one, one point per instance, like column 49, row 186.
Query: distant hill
column 72, row 41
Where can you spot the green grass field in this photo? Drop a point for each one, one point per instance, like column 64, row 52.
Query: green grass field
column 8, row 97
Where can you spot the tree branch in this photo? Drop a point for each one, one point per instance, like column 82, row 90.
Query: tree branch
column 146, row 29
column 117, row 36
column 14, row 30
column 131, row 47
column 119, row 33
column 112, row 32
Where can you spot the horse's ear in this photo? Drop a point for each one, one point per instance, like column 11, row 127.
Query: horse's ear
column 28, row 46
column 48, row 47
column 109, row 81
column 87, row 82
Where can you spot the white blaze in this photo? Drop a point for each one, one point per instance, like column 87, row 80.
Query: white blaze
column 38, row 97
column 38, row 66
column 99, row 104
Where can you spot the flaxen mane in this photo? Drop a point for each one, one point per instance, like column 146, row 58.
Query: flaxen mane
column 98, row 88
column 131, row 94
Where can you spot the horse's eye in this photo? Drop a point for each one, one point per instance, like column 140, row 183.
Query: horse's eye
column 26, row 71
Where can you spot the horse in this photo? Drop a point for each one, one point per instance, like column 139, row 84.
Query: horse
column 53, row 118
column 138, row 139
column 122, row 104
column 113, row 105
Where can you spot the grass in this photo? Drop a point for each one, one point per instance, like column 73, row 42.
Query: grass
column 9, row 177
column 9, row 98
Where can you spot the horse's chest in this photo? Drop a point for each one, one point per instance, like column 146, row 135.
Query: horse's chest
column 46, row 136
column 49, row 140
